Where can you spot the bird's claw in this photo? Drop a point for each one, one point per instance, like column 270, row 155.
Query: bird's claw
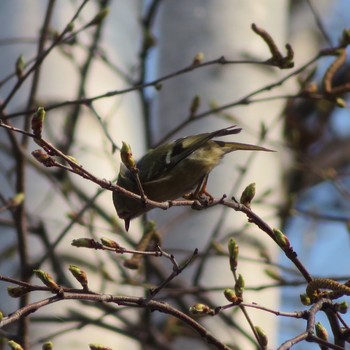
column 202, row 196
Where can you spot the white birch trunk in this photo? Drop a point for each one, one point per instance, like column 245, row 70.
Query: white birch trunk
column 121, row 113
column 222, row 28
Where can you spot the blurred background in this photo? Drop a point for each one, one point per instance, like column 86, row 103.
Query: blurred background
column 112, row 71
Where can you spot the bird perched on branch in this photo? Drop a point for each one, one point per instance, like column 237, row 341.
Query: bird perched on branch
column 173, row 170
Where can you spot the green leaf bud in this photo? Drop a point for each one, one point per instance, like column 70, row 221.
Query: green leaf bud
column 109, row 243
column 248, row 194
column 305, row 299
column 230, row 295
column 321, row 332
column 38, row 121
column 281, row 238
column 200, row 309
column 47, row 346
column 14, row 346
column 79, row 275
column 17, row 292
column 233, row 250
column 85, row 243
column 46, row 279
column 239, row 286
column 263, row 340
column 126, row 156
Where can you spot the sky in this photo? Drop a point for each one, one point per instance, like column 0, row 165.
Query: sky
column 322, row 245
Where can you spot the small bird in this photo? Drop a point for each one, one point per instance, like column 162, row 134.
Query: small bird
column 174, row 169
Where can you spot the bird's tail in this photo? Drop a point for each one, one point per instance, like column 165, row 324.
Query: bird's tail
column 237, row 146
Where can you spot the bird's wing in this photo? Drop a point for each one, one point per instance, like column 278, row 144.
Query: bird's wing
column 169, row 157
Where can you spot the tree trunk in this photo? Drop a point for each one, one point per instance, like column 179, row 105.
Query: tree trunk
column 222, row 28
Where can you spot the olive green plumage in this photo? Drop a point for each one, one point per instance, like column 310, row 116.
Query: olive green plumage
column 174, row 169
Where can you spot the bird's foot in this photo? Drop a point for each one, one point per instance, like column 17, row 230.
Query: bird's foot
column 200, row 199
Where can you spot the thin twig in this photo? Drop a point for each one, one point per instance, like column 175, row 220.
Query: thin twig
column 176, row 271
column 319, row 23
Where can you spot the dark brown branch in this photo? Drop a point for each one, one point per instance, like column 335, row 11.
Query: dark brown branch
column 152, row 305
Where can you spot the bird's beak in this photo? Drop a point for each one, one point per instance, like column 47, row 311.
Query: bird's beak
column 127, row 224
